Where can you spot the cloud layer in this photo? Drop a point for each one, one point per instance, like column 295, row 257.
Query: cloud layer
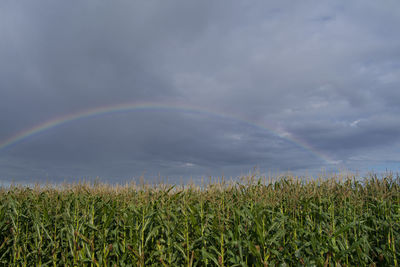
column 323, row 74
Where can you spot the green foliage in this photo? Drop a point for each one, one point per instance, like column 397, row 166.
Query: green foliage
column 330, row 222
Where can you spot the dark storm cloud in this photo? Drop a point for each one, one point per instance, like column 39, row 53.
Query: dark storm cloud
column 359, row 134
column 322, row 72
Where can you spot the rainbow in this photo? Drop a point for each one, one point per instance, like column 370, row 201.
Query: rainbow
column 129, row 107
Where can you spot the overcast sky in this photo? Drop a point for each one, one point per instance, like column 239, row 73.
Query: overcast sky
column 295, row 86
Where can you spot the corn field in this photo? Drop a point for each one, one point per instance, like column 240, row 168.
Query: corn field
column 257, row 221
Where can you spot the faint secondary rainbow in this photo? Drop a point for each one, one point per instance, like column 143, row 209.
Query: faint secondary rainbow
column 129, row 107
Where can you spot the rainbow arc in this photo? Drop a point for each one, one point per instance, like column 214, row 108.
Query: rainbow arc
column 130, row 107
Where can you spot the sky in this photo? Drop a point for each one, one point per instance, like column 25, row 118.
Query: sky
column 178, row 90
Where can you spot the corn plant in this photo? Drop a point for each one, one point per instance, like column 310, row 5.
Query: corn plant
column 256, row 221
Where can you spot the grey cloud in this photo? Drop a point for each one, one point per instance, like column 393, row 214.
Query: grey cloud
column 310, row 69
column 352, row 138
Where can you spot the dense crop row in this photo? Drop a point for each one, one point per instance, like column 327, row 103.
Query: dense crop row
column 292, row 221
